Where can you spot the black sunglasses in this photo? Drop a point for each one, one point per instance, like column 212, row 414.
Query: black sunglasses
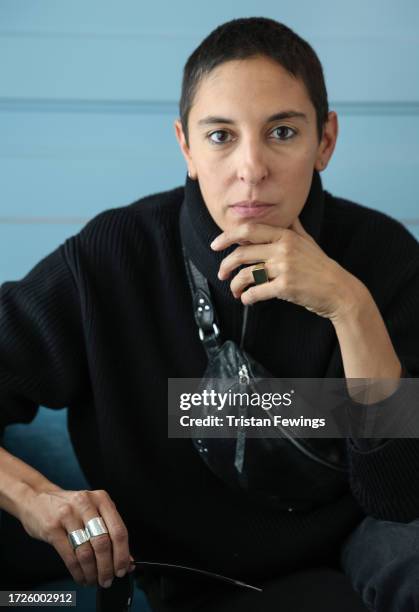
column 119, row 597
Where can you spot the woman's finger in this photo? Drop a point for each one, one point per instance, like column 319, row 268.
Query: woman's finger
column 244, row 255
column 70, row 521
column 244, row 279
column 86, row 504
column 67, row 554
column 255, row 233
column 118, row 532
column 258, row 293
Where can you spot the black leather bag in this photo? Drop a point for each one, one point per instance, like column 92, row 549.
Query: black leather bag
column 284, row 472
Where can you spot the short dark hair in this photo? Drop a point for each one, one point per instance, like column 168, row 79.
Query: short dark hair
column 250, row 37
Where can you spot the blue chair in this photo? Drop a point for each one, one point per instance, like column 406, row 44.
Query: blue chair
column 26, row 563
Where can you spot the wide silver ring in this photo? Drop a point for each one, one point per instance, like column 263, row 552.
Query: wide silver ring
column 78, row 537
column 96, row 527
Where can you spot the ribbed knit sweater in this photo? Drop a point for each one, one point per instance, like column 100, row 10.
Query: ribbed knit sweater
column 101, row 323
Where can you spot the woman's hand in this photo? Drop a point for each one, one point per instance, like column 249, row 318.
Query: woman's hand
column 297, row 268
column 51, row 515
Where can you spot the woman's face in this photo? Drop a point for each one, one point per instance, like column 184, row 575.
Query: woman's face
column 253, row 138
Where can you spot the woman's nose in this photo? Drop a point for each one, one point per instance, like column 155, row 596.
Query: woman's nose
column 252, row 168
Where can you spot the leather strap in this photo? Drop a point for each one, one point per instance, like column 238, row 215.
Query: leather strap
column 204, row 310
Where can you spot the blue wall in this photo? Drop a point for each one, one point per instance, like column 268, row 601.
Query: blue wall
column 89, row 91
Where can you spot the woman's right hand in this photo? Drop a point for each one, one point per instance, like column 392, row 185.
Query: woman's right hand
column 51, row 515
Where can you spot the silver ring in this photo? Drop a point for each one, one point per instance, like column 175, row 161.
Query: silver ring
column 78, row 537
column 96, row 527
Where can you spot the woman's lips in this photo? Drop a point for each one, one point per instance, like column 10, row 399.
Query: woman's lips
column 251, row 209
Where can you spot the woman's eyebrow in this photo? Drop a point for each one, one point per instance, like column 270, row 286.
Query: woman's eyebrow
column 288, row 114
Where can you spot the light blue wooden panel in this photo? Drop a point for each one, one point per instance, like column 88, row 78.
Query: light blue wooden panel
column 89, row 135
column 100, row 17
column 67, row 68
column 80, row 187
column 129, row 51
column 90, row 68
column 376, row 163
column 78, row 164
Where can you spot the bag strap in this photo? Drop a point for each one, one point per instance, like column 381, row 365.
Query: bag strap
column 204, row 310
column 209, row 332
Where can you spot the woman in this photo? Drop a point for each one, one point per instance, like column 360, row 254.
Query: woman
column 102, row 322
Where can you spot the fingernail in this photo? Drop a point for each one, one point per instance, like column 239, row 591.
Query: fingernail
column 107, row 584
column 121, row 573
column 215, row 242
column 132, row 568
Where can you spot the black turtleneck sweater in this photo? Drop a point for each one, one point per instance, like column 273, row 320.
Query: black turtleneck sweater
column 101, row 323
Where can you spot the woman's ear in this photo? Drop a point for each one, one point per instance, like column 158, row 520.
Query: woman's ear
column 328, row 141
column 180, row 136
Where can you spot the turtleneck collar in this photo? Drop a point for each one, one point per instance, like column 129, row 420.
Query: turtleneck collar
column 198, row 230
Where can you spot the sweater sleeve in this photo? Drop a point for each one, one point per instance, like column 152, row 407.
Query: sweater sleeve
column 42, row 351
column 383, row 476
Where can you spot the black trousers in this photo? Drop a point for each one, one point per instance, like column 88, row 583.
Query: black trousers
column 312, row 590
column 378, row 561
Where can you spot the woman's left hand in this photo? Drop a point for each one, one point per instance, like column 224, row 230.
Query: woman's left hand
column 299, row 271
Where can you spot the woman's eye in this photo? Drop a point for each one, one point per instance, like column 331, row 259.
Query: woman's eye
column 284, row 132
column 220, row 137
